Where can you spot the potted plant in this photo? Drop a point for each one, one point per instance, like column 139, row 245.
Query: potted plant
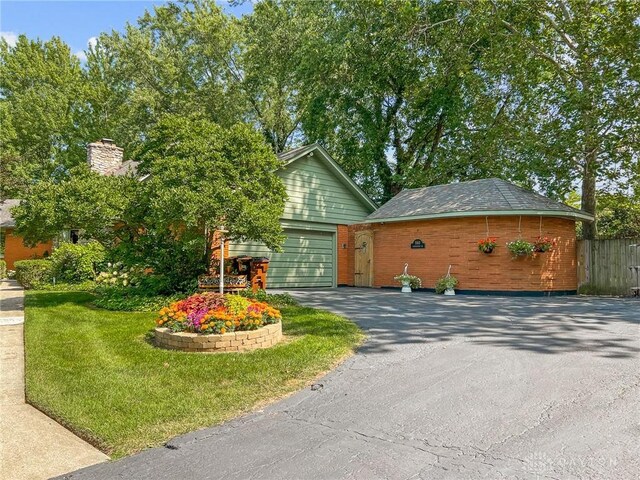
column 520, row 248
column 543, row 244
column 446, row 284
column 486, row 245
column 408, row 282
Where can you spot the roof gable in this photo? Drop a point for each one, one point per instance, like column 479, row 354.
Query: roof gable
column 319, row 154
column 6, row 219
column 490, row 196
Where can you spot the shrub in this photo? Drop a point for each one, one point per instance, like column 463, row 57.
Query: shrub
column 75, row 262
column 33, row 273
column 445, row 283
column 131, row 299
column 520, row 248
column 276, row 299
column 3, row 268
column 216, row 313
column 120, row 275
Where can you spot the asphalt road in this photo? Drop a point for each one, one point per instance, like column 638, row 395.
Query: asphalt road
column 458, row 387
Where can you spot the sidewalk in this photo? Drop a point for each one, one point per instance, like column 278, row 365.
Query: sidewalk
column 32, row 446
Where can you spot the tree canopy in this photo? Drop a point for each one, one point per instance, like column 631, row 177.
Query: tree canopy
column 403, row 93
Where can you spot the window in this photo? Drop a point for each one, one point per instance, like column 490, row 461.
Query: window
column 70, row 236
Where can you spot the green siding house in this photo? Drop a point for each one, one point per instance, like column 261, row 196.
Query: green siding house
column 322, row 201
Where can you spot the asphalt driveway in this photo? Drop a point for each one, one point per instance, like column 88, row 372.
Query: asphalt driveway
column 445, row 387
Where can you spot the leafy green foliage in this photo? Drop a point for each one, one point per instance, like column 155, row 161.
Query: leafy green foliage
column 404, row 93
column 79, row 198
column 414, row 281
column 618, row 215
column 77, row 262
column 275, row 299
column 33, row 273
column 445, row 283
column 132, row 299
column 41, row 92
column 520, row 248
column 3, row 269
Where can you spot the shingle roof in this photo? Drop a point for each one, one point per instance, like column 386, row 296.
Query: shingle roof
column 289, row 155
column 128, row 167
column 477, row 197
column 6, row 220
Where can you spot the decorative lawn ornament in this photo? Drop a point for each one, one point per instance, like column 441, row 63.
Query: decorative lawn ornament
column 447, row 283
column 408, row 281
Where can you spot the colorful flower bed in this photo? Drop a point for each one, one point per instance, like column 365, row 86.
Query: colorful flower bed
column 213, row 313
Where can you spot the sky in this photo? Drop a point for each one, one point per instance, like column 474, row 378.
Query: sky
column 78, row 22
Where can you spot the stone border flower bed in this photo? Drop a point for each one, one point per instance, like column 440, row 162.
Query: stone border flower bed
column 241, row 341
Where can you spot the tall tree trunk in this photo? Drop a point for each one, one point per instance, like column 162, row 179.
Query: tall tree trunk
column 588, row 203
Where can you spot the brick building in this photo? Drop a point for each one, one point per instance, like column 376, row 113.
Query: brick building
column 434, row 227
column 12, row 247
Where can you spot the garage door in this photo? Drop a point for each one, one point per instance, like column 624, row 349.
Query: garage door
column 306, row 261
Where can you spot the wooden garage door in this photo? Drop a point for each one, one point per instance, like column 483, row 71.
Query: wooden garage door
column 307, row 259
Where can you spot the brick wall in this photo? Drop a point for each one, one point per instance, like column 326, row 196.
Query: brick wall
column 454, row 242
column 15, row 250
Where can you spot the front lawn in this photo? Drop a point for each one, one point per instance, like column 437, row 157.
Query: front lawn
column 95, row 371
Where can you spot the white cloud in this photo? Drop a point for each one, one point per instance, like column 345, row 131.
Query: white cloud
column 81, row 55
column 10, row 37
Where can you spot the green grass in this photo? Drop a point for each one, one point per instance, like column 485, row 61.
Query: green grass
column 96, row 372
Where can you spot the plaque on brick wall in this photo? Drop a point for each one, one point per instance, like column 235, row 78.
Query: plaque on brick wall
column 417, row 243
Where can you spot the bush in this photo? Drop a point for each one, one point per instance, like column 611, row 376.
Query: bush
column 119, row 275
column 33, row 273
column 277, row 299
column 77, row 263
column 3, row 268
column 131, row 299
column 216, row 313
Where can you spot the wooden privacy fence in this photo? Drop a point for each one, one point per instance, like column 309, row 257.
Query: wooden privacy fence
column 603, row 266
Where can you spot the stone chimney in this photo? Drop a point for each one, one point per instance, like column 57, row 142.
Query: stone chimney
column 104, row 156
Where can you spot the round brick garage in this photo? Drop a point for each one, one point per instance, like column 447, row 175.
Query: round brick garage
column 263, row 337
column 446, row 222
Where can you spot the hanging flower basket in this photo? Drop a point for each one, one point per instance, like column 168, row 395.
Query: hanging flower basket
column 543, row 244
column 520, row 248
column 487, row 245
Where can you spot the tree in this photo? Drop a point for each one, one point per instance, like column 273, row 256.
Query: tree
column 619, row 215
column 581, row 91
column 40, row 95
column 78, row 198
column 203, row 176
column 404, row 93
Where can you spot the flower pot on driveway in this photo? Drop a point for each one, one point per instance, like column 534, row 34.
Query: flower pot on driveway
column 406, row 286
column 449, row 291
